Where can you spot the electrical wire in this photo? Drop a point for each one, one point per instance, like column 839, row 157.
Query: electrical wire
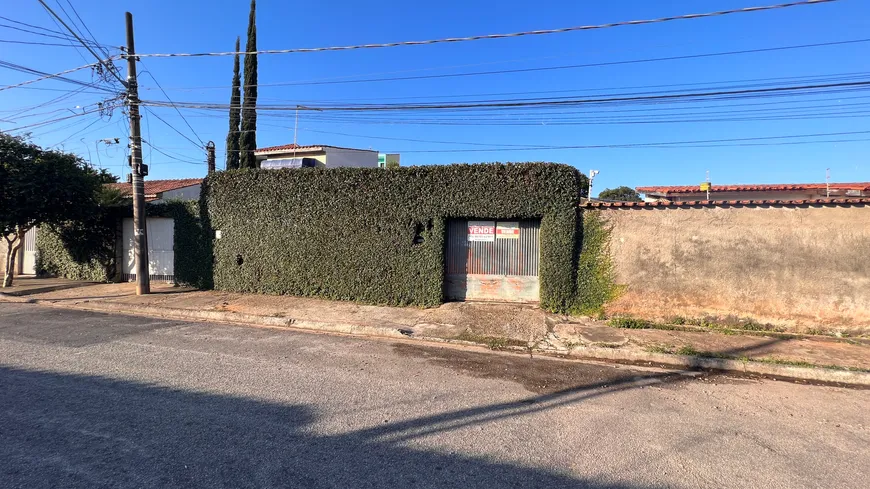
column 148, row 72
column 93, row 38
column 110, row 67
column 172, row 127
column 47, row 76
column 501, row 36
column 642, row 145
column 693, row 96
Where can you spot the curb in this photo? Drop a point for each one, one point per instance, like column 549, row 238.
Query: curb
column 232, row 317
column 816, row 374
column 613, row 355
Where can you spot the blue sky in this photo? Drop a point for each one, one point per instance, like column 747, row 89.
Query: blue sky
column 200, row 26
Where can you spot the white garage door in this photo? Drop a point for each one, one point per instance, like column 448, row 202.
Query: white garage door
column 161, row 256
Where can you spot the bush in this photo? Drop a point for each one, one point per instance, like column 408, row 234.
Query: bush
column 88, row 250
column 379, row 236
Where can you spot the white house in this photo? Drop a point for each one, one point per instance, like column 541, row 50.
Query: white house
column 321, row 155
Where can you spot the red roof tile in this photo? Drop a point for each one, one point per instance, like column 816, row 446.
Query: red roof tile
column 685, row 189
column 155, row 187
column 720, row 203
column 291, row 147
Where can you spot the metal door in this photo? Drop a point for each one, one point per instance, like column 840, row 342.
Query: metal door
column 161, row 254
column 28, row 255
column 493, row 260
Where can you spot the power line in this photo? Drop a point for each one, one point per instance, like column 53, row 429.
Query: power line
column 148, row 72
column 110, row 68
column 643, row 145
column 574, row 66
column 47, row 76
column 33, row 43
column 52, row 121
column 102, row 49
column 537, row 103
column 176, row 158
column 55, row 35
column 502, row 36
column 171, row 126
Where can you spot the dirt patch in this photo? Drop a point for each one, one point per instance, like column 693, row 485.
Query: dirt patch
column 538, row 375
column 515, row 322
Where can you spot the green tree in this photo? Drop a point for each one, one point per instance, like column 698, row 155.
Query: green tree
column 235, row 115
column 39, row 187
column 624, row 194
column 248, row 138
column 392, row 164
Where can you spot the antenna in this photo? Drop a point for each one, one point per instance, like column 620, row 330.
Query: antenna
column 592, row 174
column 827, row 182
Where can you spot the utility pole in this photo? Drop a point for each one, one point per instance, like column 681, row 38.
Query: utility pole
column 139, row 170
column 209, row 147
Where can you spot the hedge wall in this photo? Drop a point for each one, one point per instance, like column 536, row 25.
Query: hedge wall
column 79, row 251
column 89, row 251
column 378, row 236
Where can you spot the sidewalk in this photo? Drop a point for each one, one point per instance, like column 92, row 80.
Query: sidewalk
column 501, row 326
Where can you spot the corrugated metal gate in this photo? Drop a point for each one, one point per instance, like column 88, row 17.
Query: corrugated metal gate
column 493, row 260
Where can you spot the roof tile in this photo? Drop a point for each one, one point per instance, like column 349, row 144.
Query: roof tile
column 721, row 203
column 685, row 189
column 155, row 187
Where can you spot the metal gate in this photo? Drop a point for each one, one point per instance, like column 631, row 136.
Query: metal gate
column 493, row 260
column 161, row 253
column 28, row 255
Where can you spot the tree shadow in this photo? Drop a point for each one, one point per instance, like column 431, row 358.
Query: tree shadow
column 64, row 430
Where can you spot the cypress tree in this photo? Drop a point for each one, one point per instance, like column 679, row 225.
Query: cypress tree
column 248, row 137
column 235, row 115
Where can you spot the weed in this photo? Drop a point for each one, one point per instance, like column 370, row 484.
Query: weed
column 678, row 320
column 607, row 345
column 688, row 350
column 492, row 342
column 659, row 349
column 631, row 323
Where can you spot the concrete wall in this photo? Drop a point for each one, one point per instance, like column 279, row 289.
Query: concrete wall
column 794, row 266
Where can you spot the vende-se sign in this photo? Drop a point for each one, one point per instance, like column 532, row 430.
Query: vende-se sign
column 481, row 231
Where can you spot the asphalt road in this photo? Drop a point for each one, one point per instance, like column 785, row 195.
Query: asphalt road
column 96, row 400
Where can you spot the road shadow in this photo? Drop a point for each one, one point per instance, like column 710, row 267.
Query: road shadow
column 63, row 430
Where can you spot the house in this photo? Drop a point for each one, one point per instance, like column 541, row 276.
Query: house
column 783, row 191
column 320, row 155
column 162, row 190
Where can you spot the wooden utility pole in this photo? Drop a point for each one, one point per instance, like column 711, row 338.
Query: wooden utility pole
column 209, row 147
column 138, row 170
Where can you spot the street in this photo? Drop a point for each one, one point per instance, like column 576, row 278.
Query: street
column 98, row 400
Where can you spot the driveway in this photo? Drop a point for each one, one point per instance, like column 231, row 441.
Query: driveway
column 97, row 400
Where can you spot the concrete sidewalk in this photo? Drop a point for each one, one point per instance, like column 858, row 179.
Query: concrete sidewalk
column 502, row 326
column 29, row 285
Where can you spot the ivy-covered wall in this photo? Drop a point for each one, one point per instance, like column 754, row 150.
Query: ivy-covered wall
column 378, row 236
column 596, row 277
column 80, row 251
column 88, row 251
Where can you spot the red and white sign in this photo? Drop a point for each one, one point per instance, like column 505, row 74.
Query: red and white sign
column 508, row 230
column 481, row 231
